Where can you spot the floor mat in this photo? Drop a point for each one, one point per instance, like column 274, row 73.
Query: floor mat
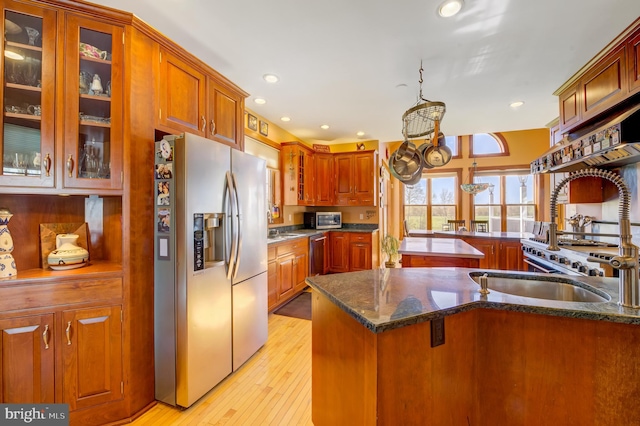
column 298, row 307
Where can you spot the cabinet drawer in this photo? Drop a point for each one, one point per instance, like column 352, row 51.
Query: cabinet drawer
column 62, row 293
column 360, row 238
column 290, row 247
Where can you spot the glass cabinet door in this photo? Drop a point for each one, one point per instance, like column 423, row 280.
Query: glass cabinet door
column 93, row 104
column 28, row 94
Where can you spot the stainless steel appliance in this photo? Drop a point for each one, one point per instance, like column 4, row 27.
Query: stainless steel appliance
column 210, row 264
column 573, row 257
column 322, row 220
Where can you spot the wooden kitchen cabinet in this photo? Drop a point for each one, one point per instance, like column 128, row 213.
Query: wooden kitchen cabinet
column 338, row 252
column 297, row 162
column 355, row 180
column 91, row 356
column 607, row 80
column 27, row 351
column 498, row 253
column 287, row 269
column 489, row 247
column 352, row 251
column 182, row 95
column 360, row 252
column 324, row 179
column 93, row 146
column 192, row 100
column 510, row 256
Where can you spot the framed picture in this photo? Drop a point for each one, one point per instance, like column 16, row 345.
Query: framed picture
column 264, row 128
column 252, row 122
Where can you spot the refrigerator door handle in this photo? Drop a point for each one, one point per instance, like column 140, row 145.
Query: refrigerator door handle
column 236, row 263
column 230, row 255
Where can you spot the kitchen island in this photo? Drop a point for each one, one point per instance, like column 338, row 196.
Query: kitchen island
column 438, row 252
column 422, row 346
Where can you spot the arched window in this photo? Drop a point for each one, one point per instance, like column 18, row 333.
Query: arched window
column 488, row 145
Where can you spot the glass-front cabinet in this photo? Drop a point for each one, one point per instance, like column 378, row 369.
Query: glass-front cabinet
column 93, row 104
column 28, row 94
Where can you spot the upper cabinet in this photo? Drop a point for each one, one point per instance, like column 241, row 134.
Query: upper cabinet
column 609, row 79
column 324, row 179
column 88, row 154
column 192, row 100
column 297, row 163
column 93, row 97
column 28, row 91
column 355, row 180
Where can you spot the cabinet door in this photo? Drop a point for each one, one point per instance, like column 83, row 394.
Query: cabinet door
column 301, row 270
column 569, row 107
column 511, row 258
column 488, row 248
column 91, row 345
column 307, row 183
column 324, row 179
column 605, row 85
column 93, row 97
column 272, row 284
column 224, row 115
column 183, row 91
column 633, row 62
column 28, row 90
column 339, row 247
column 364, row 179
column 286, row 276
column 343, row 167
column 27, row 355
column 359, row 256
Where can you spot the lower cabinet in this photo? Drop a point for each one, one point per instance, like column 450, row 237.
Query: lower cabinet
column 287, row 269
column 69, row 351
column 498, row 254
column 352, row 251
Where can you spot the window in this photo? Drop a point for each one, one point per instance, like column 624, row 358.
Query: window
column 432, row 201
column 453, row 143
column 488, row 145
column 508, row 204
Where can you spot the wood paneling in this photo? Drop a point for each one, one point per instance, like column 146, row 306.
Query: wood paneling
column 605, row 85
column 437, row 261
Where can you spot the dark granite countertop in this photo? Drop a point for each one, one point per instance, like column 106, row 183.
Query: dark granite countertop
column 292, row 233
column 384, row 299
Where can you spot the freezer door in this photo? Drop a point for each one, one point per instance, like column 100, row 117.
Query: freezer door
column 249, row 318
column 250, row 177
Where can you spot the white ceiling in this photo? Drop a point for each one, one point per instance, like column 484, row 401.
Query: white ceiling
column 341, row 62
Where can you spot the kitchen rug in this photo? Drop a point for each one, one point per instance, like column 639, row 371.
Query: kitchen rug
column 298, row 307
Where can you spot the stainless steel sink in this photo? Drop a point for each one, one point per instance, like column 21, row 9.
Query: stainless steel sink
column 541, row 287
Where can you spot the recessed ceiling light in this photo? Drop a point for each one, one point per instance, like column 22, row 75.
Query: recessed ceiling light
column 324, row 126
column 516, row 104
column 360, row 133
column 285, row 118
column 260, row 101
column 449, row 8
column 270, row 78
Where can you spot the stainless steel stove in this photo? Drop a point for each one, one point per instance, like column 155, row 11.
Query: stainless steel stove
column 571, row 259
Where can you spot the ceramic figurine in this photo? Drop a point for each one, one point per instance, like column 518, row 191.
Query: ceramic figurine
column 96, row 85
column 7, row 263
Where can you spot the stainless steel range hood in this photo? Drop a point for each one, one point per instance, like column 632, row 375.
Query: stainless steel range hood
column 607, row 143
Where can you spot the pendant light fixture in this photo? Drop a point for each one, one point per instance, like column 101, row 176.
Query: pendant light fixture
column 474, row 188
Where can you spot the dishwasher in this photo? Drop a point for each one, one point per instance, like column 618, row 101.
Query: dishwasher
column 317, row 251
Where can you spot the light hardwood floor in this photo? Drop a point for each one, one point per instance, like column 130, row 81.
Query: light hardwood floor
column 272, row 388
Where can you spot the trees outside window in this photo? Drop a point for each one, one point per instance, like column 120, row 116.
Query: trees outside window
column 431, row 202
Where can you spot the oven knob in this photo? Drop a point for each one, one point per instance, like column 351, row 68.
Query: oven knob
column 575, row 265
column 563, row 260
column 594, row 272
column 553, row 257
column 582, row 268
column 540, row 254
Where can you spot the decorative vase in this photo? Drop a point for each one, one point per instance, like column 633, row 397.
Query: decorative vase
column 67, row 255
column 7, row 263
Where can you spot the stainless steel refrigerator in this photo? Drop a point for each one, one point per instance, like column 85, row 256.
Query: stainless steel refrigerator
column 210, row 264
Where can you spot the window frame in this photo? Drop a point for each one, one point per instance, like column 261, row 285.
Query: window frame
column 502, row 143
column 502, row 172
column 452, row 172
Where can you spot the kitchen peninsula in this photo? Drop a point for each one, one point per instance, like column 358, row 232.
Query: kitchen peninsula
column 438, row 252
column 422, row 346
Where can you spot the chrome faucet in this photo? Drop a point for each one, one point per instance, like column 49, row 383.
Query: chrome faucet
column 627, row 260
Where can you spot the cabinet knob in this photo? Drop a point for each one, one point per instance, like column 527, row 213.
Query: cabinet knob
column 47, row 164
column 212, row 126
column 68, row 333
column 204, row 124
column 70, row 164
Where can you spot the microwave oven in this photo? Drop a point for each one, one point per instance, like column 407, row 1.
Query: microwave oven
column 322, row 220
